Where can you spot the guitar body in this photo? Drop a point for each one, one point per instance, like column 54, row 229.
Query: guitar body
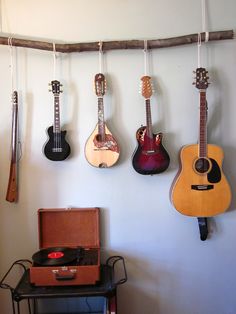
column 150, row 157
column 201, row 194
column 102, row 154
column 56, row 148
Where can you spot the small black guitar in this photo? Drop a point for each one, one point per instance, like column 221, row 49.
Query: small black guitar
column 56, row 148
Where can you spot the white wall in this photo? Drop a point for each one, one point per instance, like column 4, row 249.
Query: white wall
column 170, row 270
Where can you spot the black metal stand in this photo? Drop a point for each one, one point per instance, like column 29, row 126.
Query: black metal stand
column 203, row 228
column 106, row 287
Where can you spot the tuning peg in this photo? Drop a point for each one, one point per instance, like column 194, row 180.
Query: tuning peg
column 49, row 90
column 194, row 72
column 193, row 83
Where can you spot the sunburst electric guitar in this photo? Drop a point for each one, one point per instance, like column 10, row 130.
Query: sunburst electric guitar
column 101, row 148
column 200, row 188
column 150, row 156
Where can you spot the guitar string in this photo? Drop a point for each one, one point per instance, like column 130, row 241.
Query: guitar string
column 56, row 137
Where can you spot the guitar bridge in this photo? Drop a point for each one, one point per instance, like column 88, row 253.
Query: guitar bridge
column 149, row 152
column 202, row 187
column 57, row 149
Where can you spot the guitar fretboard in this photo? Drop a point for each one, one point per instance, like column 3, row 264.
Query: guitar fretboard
column 101, row 123
column 14, row 127
column 203, row 125
column 148, row 118
column 56, row 126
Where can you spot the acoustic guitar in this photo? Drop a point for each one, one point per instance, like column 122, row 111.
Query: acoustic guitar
column 200, row 189
column 150, row 156
column 101, row 148
column 56, row 148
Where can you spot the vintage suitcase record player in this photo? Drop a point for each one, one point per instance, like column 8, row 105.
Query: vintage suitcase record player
column 69, row 242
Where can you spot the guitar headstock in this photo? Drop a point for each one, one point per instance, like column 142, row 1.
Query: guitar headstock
column 55, row 87
column 146, row 87
column 201, row 79
column 100, row 84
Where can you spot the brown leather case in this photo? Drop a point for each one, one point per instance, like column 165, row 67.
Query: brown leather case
column 73, row 227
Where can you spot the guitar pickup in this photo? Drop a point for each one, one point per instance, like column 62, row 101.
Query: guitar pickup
column 202, row 187
column 57, row 150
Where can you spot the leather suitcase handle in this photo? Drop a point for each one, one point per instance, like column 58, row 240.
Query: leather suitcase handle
column 64, row 277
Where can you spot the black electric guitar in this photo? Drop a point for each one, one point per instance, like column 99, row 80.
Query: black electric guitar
column 56, row 148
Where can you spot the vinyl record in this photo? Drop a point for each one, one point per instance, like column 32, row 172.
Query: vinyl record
column 55, row 256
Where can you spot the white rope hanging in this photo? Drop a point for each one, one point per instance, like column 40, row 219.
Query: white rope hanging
column 12, row 69
column 100, row 57
column 204, row 21
column 11, row 65
column 1, row 16
column 146, row 60
column 54, row 61
column 199, row 42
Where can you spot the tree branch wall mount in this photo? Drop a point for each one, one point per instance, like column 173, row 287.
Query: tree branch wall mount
column 114, row 45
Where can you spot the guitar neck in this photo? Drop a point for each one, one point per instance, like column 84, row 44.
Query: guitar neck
column 203, row 125
column 14, row 129
column 101, row 122
column 56, row 126
column 12, row 190
column 148, row 118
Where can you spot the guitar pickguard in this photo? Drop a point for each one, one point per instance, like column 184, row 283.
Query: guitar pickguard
column 214, row 175
column 99, row 152
column 108, row 144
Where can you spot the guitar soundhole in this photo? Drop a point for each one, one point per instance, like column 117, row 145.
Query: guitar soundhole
column 202, row 165
column 99, row 138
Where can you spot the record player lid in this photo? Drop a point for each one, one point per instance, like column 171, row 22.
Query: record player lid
column 69, row 227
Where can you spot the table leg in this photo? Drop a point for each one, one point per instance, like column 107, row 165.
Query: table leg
column 29, row 306
column 18, row 307
column 112, row 305
column 35, row 310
